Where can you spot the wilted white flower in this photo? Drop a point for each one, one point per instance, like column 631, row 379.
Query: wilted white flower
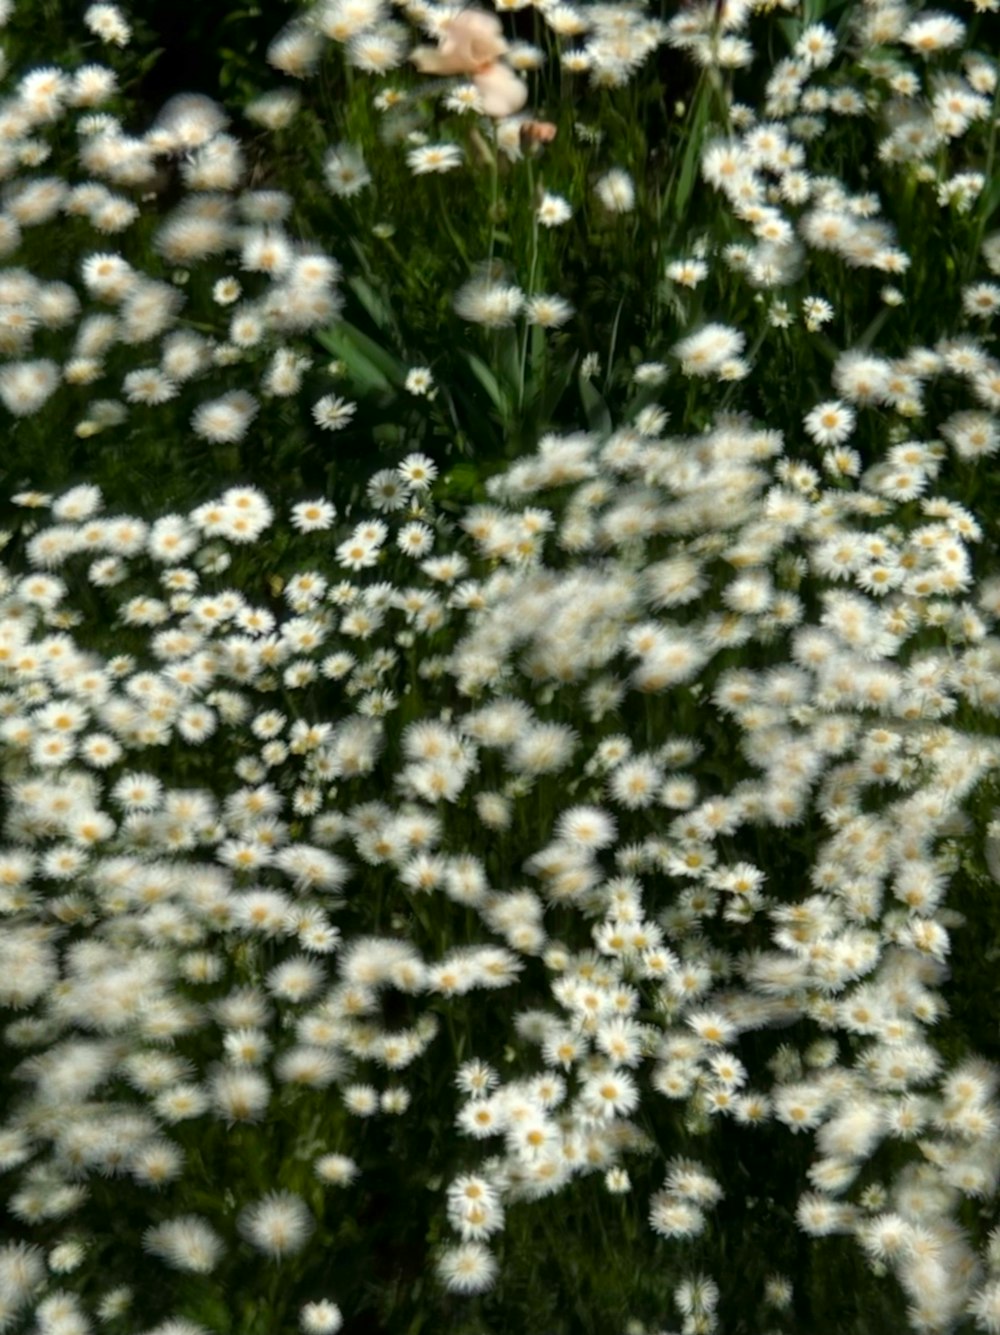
column 274, row 110
column 549, row 311
column 279, row 1224
column 25, row 386
column 616, row 191
column 493, row 304
column 187, row 1243
column 108, row 23
column 709, row 349
column 226, row 419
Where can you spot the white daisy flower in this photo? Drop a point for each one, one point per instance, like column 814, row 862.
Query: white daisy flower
column 333, row 413
column 830, row 423
column 434, row 158
column 553, row 210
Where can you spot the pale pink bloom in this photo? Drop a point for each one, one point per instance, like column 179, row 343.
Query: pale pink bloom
column 469, row 42
column 472, row 43
column 501, row 92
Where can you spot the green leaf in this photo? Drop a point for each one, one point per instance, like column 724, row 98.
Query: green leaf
column 989, row 200
column 554, row 386
column 692, row 152
column 214, row 1313
column 372, row 302
column 791, row 28
column 370, row 366
column 598, row 415
column 463, row 480
column 488, row 381
column 509, row 360
column 868, row 336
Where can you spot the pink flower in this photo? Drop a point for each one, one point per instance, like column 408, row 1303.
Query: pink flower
column 501, row 92
column 469, row 42
column 472, row 43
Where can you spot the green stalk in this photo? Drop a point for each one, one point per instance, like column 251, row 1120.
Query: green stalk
column 531, row 286
column 494, row 198
column 443, row 211
column 611, row 347
column 991, row 188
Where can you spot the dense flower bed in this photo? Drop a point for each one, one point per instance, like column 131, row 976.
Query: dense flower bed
column 541, row 754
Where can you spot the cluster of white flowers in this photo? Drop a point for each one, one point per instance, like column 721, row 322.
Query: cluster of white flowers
column 169, row 880
column 610, row 42
column 288, row 288
column 486, row 668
